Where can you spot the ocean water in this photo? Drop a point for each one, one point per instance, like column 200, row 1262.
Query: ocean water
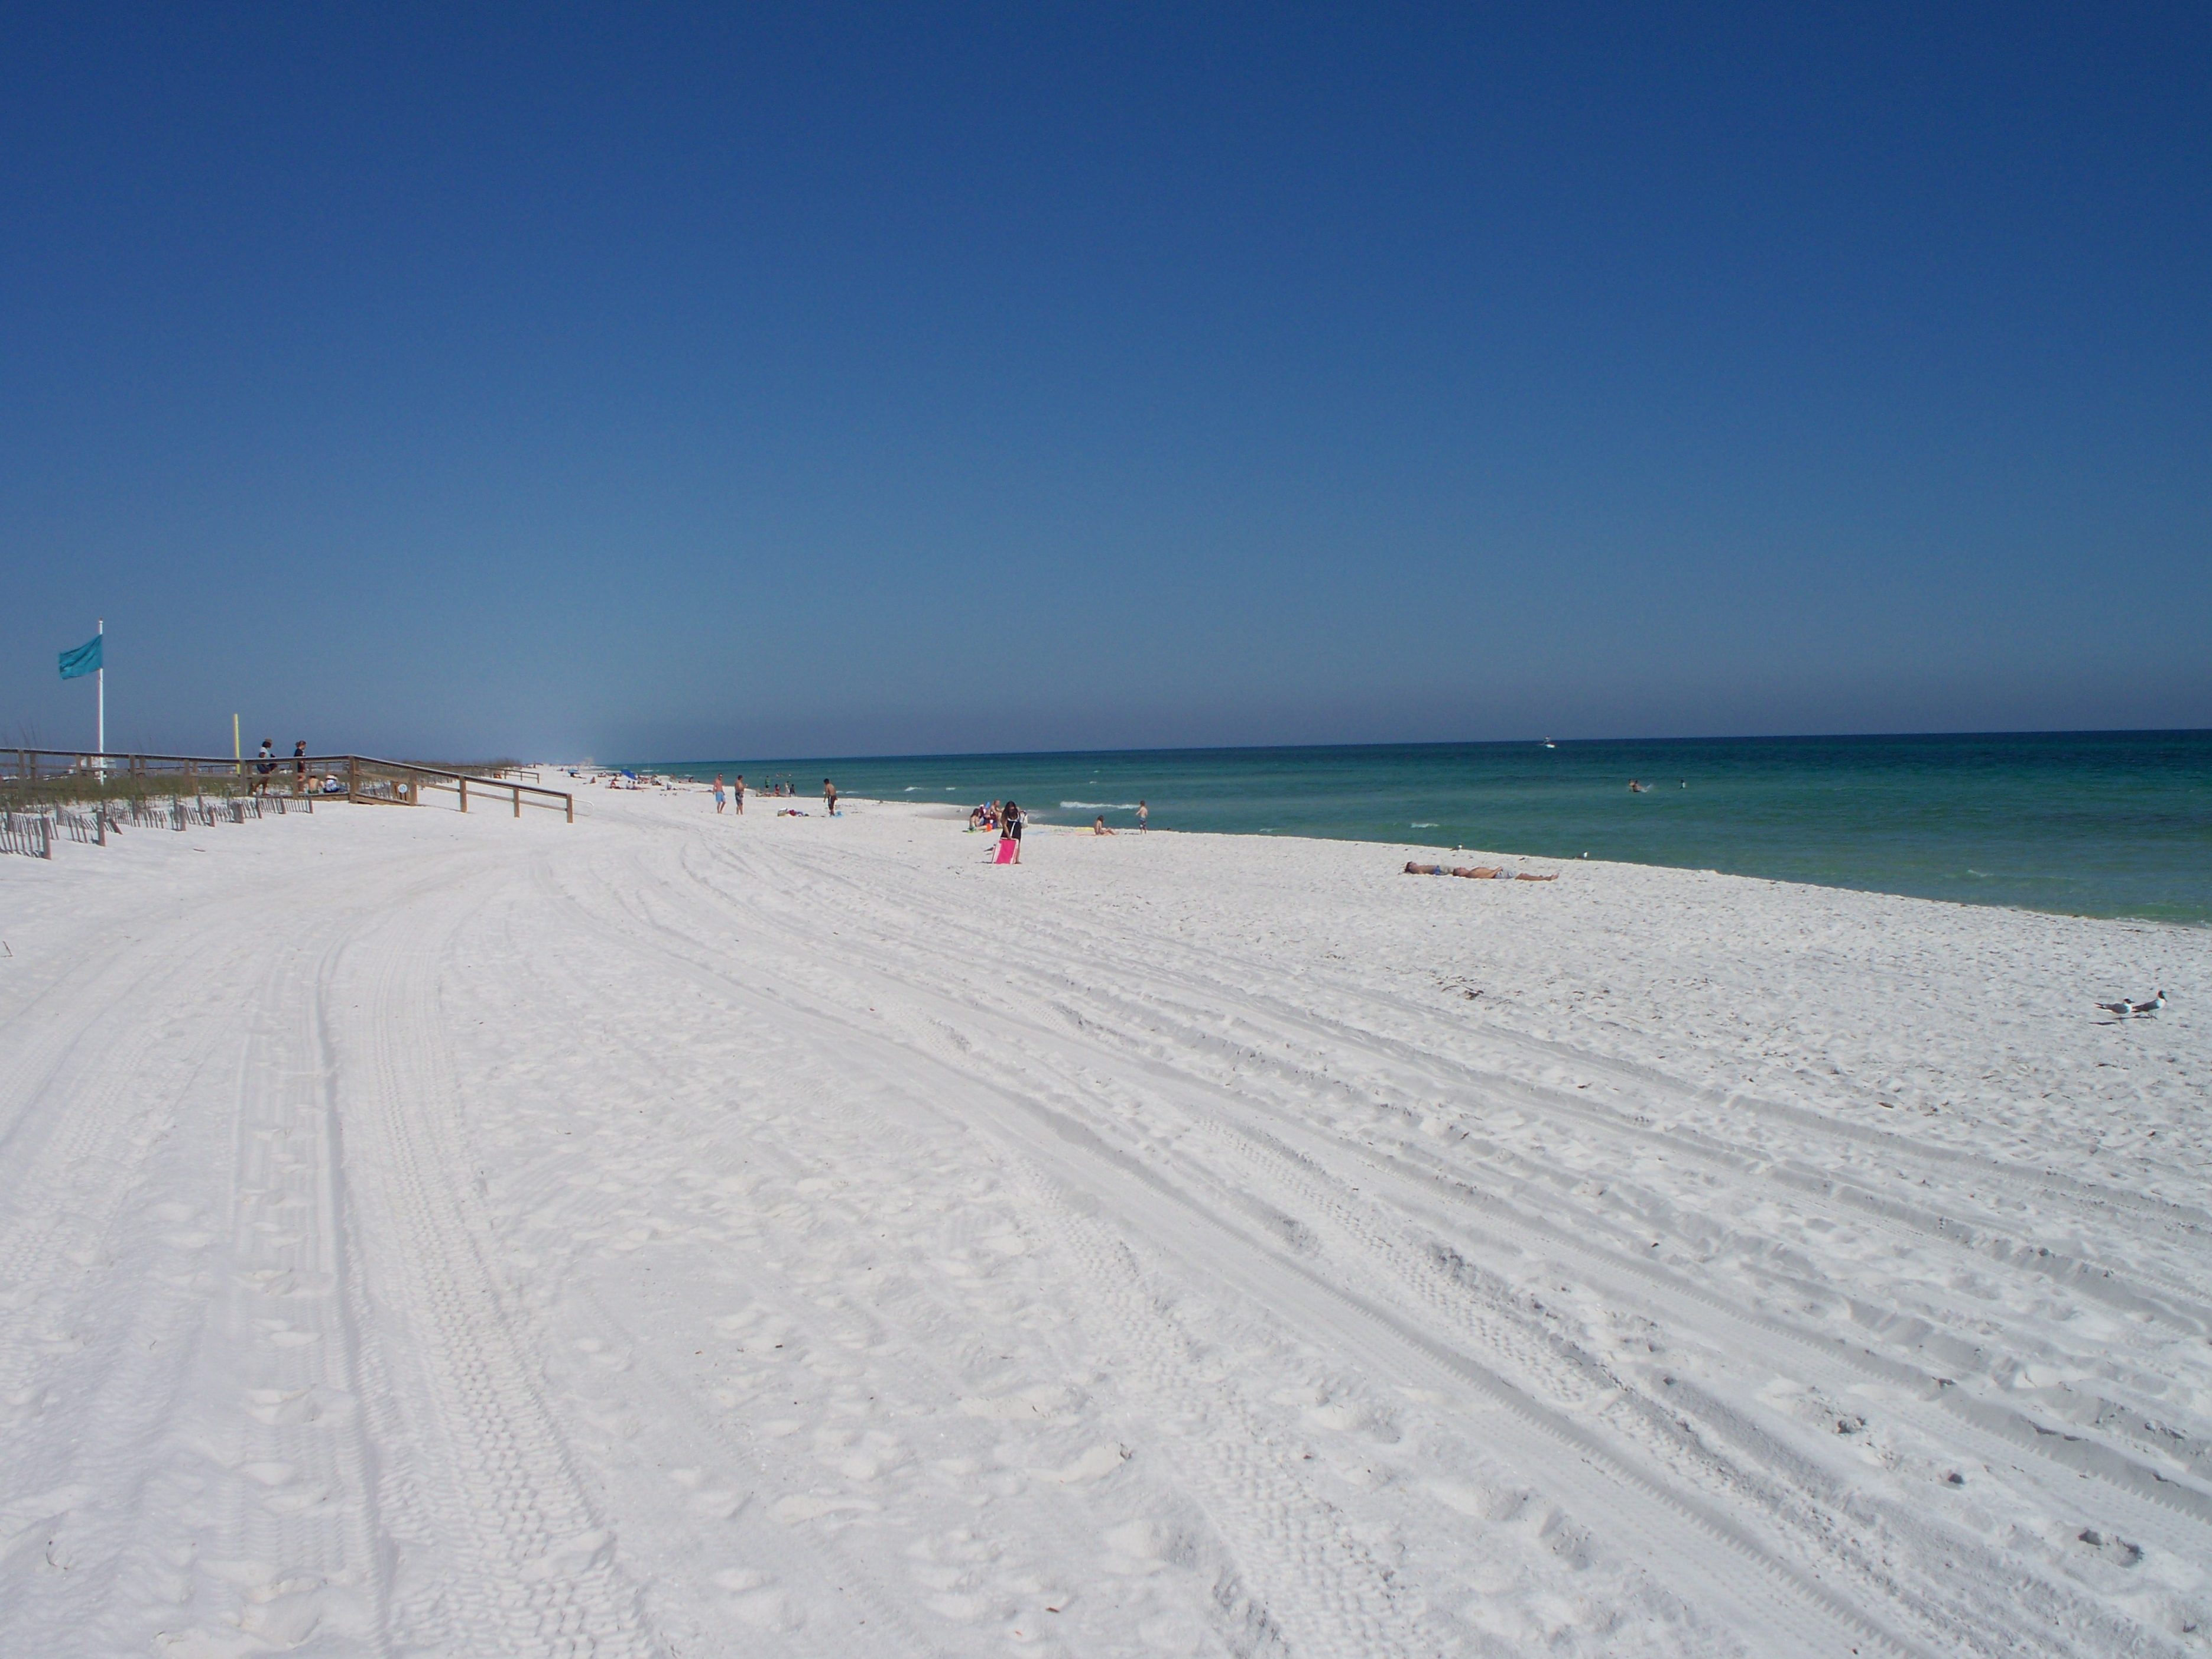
column 2096, row 824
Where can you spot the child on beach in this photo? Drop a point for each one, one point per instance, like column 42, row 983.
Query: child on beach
column 1143, row 812
column 740, row 793
column 1098, row 826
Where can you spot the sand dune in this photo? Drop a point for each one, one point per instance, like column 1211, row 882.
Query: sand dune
column 682, row 1235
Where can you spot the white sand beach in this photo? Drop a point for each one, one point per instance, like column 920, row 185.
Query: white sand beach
column 682, row 1235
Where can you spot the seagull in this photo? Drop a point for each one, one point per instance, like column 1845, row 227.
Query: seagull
column 2125, row 1009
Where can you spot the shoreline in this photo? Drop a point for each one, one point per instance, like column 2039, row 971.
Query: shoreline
column 1416, row 847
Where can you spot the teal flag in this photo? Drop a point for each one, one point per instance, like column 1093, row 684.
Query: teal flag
column 84, row 660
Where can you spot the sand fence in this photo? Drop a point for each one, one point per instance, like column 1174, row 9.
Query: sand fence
column 48, row 795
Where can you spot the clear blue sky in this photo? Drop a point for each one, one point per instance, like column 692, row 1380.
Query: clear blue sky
column 654, row 381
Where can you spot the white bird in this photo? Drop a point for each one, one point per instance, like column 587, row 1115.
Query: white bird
column 2125, row 1009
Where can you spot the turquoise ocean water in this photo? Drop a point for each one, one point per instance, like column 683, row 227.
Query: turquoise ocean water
column 2098, row 824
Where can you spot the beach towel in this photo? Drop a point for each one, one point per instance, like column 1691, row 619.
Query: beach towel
column 1007, row 848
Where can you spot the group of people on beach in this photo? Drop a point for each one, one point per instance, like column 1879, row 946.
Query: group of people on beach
column 266, row 764
column 736, row 794
column 1003, row 816
column 1007, row 818
column 1143, row 815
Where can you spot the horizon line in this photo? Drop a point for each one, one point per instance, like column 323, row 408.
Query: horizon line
column 1440, row 742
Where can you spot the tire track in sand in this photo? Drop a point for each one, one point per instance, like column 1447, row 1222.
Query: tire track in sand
column 1743, row 1585
column 531, row 1571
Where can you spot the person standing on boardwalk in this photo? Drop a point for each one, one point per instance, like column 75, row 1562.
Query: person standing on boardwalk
column 263, row 764
column 738, row 793
column 1143, row 812
column 829, row 797
column 300, row 767
column 719, row 801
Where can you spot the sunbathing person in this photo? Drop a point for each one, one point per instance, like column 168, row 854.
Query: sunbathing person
column 1475, row 873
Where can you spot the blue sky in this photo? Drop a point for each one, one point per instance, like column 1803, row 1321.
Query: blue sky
column 655, row 381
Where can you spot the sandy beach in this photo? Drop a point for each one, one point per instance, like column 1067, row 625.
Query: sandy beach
column 680, row 1235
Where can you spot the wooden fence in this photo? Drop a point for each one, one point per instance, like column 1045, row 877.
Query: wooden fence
column 84, row 777
column 35, row 832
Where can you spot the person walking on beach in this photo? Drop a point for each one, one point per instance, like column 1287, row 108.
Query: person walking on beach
column 829, row 797
column 1143, row 812
column 719, row 801
column 738, row 793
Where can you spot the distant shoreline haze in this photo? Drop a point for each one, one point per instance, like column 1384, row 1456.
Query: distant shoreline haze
column 2102, row 824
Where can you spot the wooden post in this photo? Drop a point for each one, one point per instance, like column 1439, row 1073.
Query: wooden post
column 517, row 800
column 353, row 777
column 192, row 776
column 465, row 794
column 571, row 799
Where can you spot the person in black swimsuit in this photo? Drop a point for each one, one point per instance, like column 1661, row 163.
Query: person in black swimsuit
column 1010, row 828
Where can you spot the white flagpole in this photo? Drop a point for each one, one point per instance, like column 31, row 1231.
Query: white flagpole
column 99, row 693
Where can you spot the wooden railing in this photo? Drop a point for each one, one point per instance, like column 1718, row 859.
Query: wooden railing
column 82, row 775
column 399, row 782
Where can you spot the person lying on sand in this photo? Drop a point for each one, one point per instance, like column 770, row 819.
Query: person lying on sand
column 1474, row 872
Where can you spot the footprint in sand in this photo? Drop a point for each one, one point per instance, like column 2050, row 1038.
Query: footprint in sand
column 754, row 1600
